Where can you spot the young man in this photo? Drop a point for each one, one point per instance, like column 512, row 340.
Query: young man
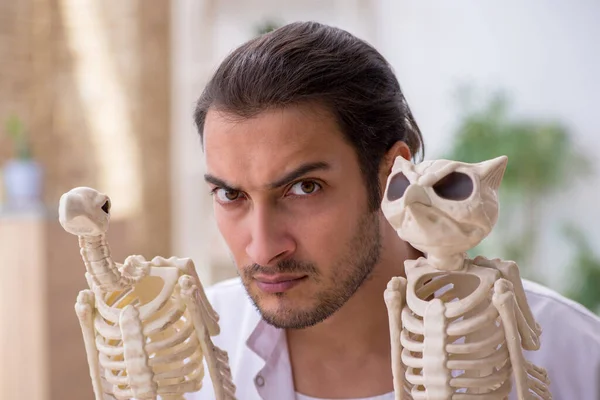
column 300, row 128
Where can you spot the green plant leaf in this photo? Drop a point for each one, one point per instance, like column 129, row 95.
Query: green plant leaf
column 14, row 127
column 16, row 132
column 266, row 27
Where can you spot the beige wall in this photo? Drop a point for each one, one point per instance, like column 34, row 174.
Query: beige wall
column 81, row 74
column 43, row 79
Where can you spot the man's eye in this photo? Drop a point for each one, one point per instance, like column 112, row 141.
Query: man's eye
column 305, row 187
column 227, row 196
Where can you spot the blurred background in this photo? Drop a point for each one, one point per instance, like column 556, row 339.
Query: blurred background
column 101, row 94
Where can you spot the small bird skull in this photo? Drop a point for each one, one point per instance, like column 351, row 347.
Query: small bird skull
column 84, row 211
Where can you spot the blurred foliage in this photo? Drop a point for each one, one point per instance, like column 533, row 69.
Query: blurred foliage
column 15, row 129
column 542, row 156
column 584, row 272
column 267, row 26
column 543, row 161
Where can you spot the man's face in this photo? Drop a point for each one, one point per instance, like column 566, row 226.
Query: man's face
column 291, row 204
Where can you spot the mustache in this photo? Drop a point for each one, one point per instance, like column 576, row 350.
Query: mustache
column 284, row 266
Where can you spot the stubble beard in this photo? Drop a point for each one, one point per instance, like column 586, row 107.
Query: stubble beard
column 343, row 280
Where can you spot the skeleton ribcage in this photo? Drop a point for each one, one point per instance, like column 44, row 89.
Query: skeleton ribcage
column 455, row 343
column 172, row 356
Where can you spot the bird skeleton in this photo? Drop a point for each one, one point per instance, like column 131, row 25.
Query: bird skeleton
column 458, row 326
column 146, row 325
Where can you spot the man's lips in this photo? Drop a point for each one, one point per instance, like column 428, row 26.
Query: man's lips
column 278, row 283
column 277, row 278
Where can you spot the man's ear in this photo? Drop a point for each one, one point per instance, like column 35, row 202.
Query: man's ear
column 399, row 149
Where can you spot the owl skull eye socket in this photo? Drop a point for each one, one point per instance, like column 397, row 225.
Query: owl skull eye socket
column 454, row 186
column 398, row 185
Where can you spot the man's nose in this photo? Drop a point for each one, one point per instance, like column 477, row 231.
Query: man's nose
column 269, row 240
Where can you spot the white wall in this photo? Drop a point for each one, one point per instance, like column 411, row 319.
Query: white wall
column 236, row 20
column 545, row 53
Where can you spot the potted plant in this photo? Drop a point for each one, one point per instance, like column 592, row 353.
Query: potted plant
column 22, row 175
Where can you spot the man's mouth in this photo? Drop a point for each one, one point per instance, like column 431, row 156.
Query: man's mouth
column 278, row 283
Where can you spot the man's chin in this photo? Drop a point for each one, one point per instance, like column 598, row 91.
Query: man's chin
column 285, row 314
column 291, row 320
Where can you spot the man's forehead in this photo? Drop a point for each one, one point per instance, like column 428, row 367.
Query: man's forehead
column 253, row 153
column 270, row 142
column 279, row 127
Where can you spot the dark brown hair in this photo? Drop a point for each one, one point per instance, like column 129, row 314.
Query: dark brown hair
column 311, row 62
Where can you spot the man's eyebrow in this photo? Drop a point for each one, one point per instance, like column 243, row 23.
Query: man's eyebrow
column 219, row 182
column 298, row 172
column 290, row 177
